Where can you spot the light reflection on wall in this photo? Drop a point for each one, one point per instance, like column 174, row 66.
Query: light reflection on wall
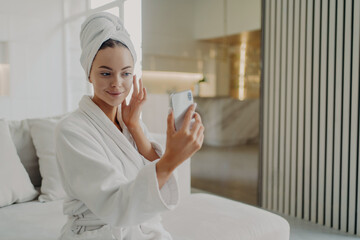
column 4, row 80
column 245, row 58
column 243, row 53
column 159, row 82
column 242, row 71
column 4, row 69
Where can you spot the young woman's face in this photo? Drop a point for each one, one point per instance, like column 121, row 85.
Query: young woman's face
column 111, row 75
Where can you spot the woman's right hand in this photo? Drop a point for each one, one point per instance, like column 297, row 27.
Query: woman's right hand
column 181, row 144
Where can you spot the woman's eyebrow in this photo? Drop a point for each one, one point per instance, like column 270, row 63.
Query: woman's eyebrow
column 111, row 68
column 126, row 67
column 105, row 67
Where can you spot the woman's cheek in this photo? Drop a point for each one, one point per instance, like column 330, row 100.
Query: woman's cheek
column 129, row 85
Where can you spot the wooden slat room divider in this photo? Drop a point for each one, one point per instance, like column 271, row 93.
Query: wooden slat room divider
column 310, row 111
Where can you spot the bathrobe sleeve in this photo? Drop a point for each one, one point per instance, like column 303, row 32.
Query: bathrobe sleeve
column 91, row 178
column 159, row 149
column 156, row 146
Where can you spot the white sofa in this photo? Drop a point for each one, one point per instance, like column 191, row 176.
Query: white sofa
column 198, row 216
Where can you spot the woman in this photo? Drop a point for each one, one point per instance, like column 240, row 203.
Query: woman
column 118, row 180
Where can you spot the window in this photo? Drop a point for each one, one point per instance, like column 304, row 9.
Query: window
column 98, row 3
column 114, row 11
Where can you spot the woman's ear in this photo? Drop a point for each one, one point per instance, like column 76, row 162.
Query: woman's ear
column 89, row 79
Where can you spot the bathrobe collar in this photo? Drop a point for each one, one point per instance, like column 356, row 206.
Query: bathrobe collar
column 99, row 118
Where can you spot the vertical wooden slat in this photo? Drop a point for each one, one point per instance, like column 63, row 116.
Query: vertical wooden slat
column 276, row 105
column 282, row 78
column 315, row 110
column 345, row 116
column 322, row 112
column 357, row 211
column 330, row 113
column 354, row 114
column 289, row 83
column 265, row 168
column 271, row 106
column 294, row 129
column 338, row 113
column 308, row 103
column 300, row 126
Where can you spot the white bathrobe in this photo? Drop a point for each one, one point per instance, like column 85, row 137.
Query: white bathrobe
column 112, row 190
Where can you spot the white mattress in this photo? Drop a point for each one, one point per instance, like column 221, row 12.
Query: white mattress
column 198, row 217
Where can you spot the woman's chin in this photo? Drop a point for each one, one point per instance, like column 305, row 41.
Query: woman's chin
column 109, row 100
column 115, row 102
column 116, row 99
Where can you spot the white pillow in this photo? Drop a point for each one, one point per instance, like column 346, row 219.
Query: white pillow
column 43, row 135
column 15, row 184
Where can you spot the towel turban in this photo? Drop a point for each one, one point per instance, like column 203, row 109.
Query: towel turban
column 98, row 28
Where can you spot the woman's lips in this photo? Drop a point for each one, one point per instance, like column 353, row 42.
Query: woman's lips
column 115, row 93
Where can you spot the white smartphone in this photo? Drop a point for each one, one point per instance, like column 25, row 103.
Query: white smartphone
column 180, row 103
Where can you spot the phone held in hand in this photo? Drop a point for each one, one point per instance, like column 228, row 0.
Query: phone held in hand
column 180, row 103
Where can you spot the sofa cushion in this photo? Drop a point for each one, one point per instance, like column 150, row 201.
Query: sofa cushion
column 43, row 135
column 20, row 134
column 15, row 184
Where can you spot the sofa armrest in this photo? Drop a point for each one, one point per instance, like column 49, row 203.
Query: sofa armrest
column 183, row 171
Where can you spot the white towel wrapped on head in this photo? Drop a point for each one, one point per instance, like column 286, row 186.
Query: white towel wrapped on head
column 98, row 28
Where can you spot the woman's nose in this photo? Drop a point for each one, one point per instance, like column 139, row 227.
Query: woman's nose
column 117, row 81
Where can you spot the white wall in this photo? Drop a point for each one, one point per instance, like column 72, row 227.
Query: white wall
column 242, row 16
column 168, row 42
column 33, row 31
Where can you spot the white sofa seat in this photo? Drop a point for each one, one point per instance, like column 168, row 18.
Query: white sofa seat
column 205, row 216
column 198, row 216
column 32, row 221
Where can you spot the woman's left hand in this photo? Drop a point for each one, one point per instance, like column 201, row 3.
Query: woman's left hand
column 131, row 112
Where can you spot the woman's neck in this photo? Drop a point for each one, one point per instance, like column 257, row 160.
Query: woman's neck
column 110, row 111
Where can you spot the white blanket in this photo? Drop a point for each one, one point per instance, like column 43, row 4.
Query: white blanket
column 112, row 189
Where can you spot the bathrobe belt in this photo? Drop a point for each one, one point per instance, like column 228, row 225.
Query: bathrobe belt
column 87, row 219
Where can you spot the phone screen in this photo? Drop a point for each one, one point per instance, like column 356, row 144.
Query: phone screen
column 180, row 102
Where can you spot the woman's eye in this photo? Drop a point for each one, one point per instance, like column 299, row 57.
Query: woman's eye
column 105, row 74
column 127, row 74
